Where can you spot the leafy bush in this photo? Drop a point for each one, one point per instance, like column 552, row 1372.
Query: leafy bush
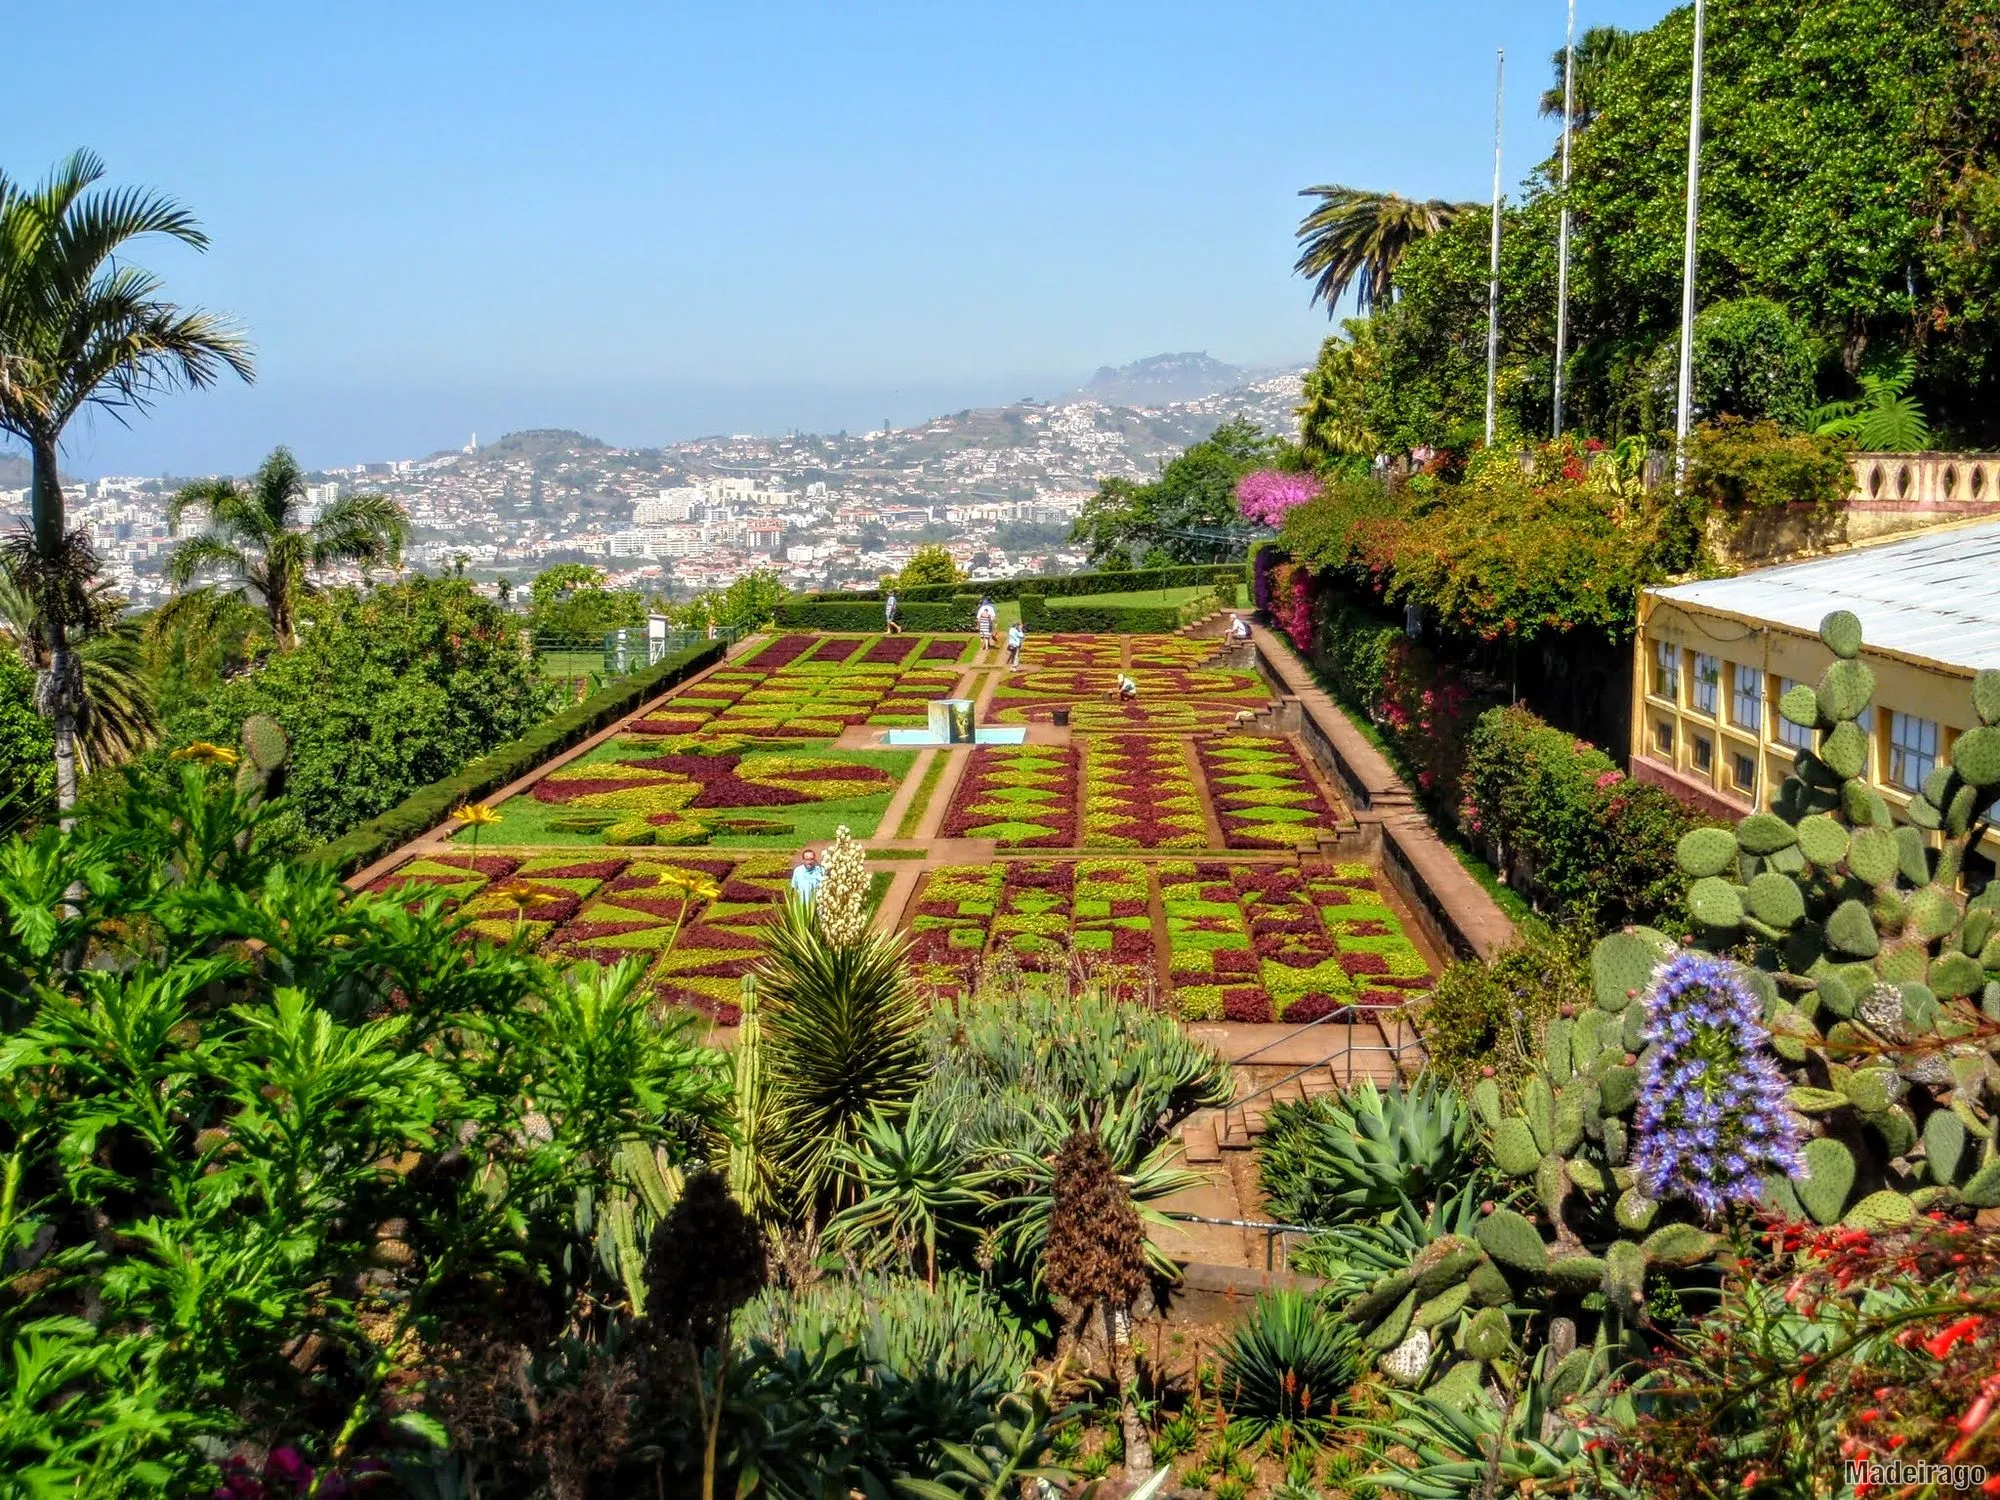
column 1062, row 585
column 832, row 616
column 387, row 692
column 1491, row 1015
column 1751, row 362
column 1345, row 1156
column 428, row 807
column 1126, row 619
column 27, row 746
column 1737, row 466
column 1575, row 834
column 1288, row 1365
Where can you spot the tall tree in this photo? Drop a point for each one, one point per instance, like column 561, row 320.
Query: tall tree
column 257, row 535
column 81, row 326
column 1598, row 50
column 1356, row 238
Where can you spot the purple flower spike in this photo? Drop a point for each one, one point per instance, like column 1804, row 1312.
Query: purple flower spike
column 1711, row 1119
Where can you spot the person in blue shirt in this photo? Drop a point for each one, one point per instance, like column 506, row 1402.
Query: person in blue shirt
column 807, row 875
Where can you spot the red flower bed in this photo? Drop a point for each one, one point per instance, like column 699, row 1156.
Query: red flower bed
column 782, row 652
column 943, row 651
column 1364, row 963
column 832, row 650
column 1129, row 908
column 492, row 866
column 1235, row 961
column 583, row 869
column 1312, row 1008
column 721, row 1012
column 1246, row 1004
column 1131, row 946
column 1042, row 877
column 891, row 651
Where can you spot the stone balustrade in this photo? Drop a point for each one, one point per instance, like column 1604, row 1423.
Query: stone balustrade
column 1926, row 479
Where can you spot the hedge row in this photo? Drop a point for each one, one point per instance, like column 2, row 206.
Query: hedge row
column 1121, row 619
column 423, row 810
column 835, row 615
column 1064, row 586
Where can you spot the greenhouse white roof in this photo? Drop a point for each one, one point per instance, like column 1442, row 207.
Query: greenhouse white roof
column 1935, row 596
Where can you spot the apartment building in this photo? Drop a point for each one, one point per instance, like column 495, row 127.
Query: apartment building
column 1714, row 658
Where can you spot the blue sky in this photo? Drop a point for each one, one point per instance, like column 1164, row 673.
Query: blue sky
column 652, row 221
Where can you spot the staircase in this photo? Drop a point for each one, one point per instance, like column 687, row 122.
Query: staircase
column 1318, row 1058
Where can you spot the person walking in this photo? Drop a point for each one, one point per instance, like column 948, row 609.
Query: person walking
column 889, row 614
column 807, row 875
column 1015, row 636
column 985, row 618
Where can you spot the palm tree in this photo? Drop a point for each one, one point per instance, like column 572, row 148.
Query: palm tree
column 1357, row 238
column 115, row 716
column 1598, row 51
column 256, row 534
column 80, row 326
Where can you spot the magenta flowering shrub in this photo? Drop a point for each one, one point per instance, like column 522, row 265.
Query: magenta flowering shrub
column 1266, row 495
column 1711, row 1120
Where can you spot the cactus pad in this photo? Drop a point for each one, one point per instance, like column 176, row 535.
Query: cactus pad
column 1844, row 751
column 1800, row 706
column 1852, row 930
column 1765, row 833
column 1871, row 855
column 1884, row 1210
column 1679, row 1245
column 1841, row 632
column 1976, row 756
column 1512, row 1241
column 1487, row 1336
column 1944, row 1144
column 1714, row 902
column 1775, row 900
column 1983, row 1191
column 1954, row 975
column 1635, row 1211
column 1706, row 851
column 1822, row 840
column 1514, row 1147
column 1621, row 968
column 1845, row 690
column 1986, row 696
column 1829, row 1179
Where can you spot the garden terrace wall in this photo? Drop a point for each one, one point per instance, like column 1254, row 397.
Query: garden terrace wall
column 1065, row 585
column 426, row 808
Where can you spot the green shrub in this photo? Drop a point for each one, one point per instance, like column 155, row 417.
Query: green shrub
column 1338, row 1157
column 1737, row 466
column 1482, row 1015
column 1125, row 619
column 425, row 809
column 1751, row 361
column 864, row 613
column 1063, row 585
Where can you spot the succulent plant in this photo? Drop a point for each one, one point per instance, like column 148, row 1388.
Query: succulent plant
column 1878, row 980
column 266, row 747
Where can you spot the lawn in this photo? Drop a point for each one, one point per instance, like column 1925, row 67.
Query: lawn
column 1129, row 600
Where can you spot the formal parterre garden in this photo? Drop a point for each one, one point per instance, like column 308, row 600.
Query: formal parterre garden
column 1155, row 845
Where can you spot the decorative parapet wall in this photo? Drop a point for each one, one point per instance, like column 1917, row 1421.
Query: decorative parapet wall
column 1966, row 483
column 1893, row 493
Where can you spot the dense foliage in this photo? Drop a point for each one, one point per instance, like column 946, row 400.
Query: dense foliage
column 387, row 692
column 569, row 602
column 1848, row 212
column 1189, row 514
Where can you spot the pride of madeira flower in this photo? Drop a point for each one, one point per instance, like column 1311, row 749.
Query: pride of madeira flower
column 1711, row 1119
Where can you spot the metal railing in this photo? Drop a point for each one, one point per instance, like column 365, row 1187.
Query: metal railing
column 617, row 652
column 1342, row 1078
column 1272, row 1232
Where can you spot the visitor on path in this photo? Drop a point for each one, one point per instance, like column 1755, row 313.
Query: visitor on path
column 1015, row 636
column 985, row 619
column 889, row 615
column 1239, row 628
column 807, row 875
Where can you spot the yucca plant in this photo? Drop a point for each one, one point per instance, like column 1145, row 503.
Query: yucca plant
column 842, row 1043
column 1341, row 1157
column 1288, row 1365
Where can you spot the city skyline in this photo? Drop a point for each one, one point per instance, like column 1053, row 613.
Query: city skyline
column 653, row 225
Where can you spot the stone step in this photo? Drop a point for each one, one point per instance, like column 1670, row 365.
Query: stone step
column 1198, row 1142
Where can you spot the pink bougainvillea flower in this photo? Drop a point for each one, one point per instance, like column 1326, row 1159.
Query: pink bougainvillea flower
column 1265, row 496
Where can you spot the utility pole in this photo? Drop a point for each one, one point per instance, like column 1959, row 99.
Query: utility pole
column 1562, row 235
column 1493, row 290
column 1684, row 410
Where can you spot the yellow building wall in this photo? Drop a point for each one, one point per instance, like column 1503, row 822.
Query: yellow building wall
column 1741, row 754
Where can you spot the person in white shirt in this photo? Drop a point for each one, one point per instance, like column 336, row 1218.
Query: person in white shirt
column 1239, row 628
column 1015, row 636
column 986, row 617
column 807, row 875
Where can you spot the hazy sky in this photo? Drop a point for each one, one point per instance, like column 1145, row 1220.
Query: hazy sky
column 652, row 221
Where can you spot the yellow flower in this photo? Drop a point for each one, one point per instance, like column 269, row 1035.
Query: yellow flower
column 691, row 885
column 519, row 893
column 207, row 753
column 474, row 815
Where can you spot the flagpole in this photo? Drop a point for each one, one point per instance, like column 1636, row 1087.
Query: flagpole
column 1493, row 290
column 1562, row 238
column 1684, row 395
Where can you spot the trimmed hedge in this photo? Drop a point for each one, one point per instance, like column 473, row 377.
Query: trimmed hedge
column 1106, row 619
column 1064, row 586
column 423, row 810
column 831, row 616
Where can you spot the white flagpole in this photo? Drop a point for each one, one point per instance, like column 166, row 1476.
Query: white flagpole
column 1562, row 238
column 1493, row 291
column 1684, row 410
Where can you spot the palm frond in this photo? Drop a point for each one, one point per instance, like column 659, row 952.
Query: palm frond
column 1357, row 238
column 203, row 554
column 361, row 528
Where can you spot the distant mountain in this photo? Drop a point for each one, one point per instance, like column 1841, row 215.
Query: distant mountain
column 16, row 472
column 1162, row 380
column 537, row 442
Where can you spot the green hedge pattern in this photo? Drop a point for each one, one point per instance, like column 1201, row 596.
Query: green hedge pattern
column 834, row 616
column 1063, row 586
column 424, row 809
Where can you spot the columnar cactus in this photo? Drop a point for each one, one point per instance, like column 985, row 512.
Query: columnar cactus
column 1878, row 980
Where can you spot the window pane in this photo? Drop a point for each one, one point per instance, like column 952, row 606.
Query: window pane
column 1746, row 698
column 1745, row 772
column 1912, row 750
column 1707, row 675
column 1666, row 670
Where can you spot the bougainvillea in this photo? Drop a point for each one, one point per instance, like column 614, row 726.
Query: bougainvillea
column 1265, row 495
column 1712, row 1118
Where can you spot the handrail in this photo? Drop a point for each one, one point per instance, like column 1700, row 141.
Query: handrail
column 1304, row 1027
column 1346, row 1050
column 1270, row 1230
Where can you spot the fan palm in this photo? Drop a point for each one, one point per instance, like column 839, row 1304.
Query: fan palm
column 1358, row 238
column 113, row 697
column 843, row 1042
column 80, row 326
column 256, row 534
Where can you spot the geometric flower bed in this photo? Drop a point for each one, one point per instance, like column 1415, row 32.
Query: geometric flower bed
column 604, row 909
column 1171, row 699
column 1138, row 793
column 1273, row 943
column 700, row 789
column 811, row 688
column 1020, row 796
column 1042, row 915
column 1264, row 795
column 1072, row 651
column 1172, row 650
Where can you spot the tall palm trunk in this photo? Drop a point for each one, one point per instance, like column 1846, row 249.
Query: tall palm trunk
column 55, row 693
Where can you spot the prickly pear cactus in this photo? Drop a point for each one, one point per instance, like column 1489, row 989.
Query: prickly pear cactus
column 1880, row 980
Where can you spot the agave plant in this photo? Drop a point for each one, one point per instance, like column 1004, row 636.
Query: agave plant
column 913, row 1180
column 1288, row 1365
column 1355, row 1256
column 1346, row 1156
column 842, row 1043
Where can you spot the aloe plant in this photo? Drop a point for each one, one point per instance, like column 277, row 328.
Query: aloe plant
column 1345, row 1156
